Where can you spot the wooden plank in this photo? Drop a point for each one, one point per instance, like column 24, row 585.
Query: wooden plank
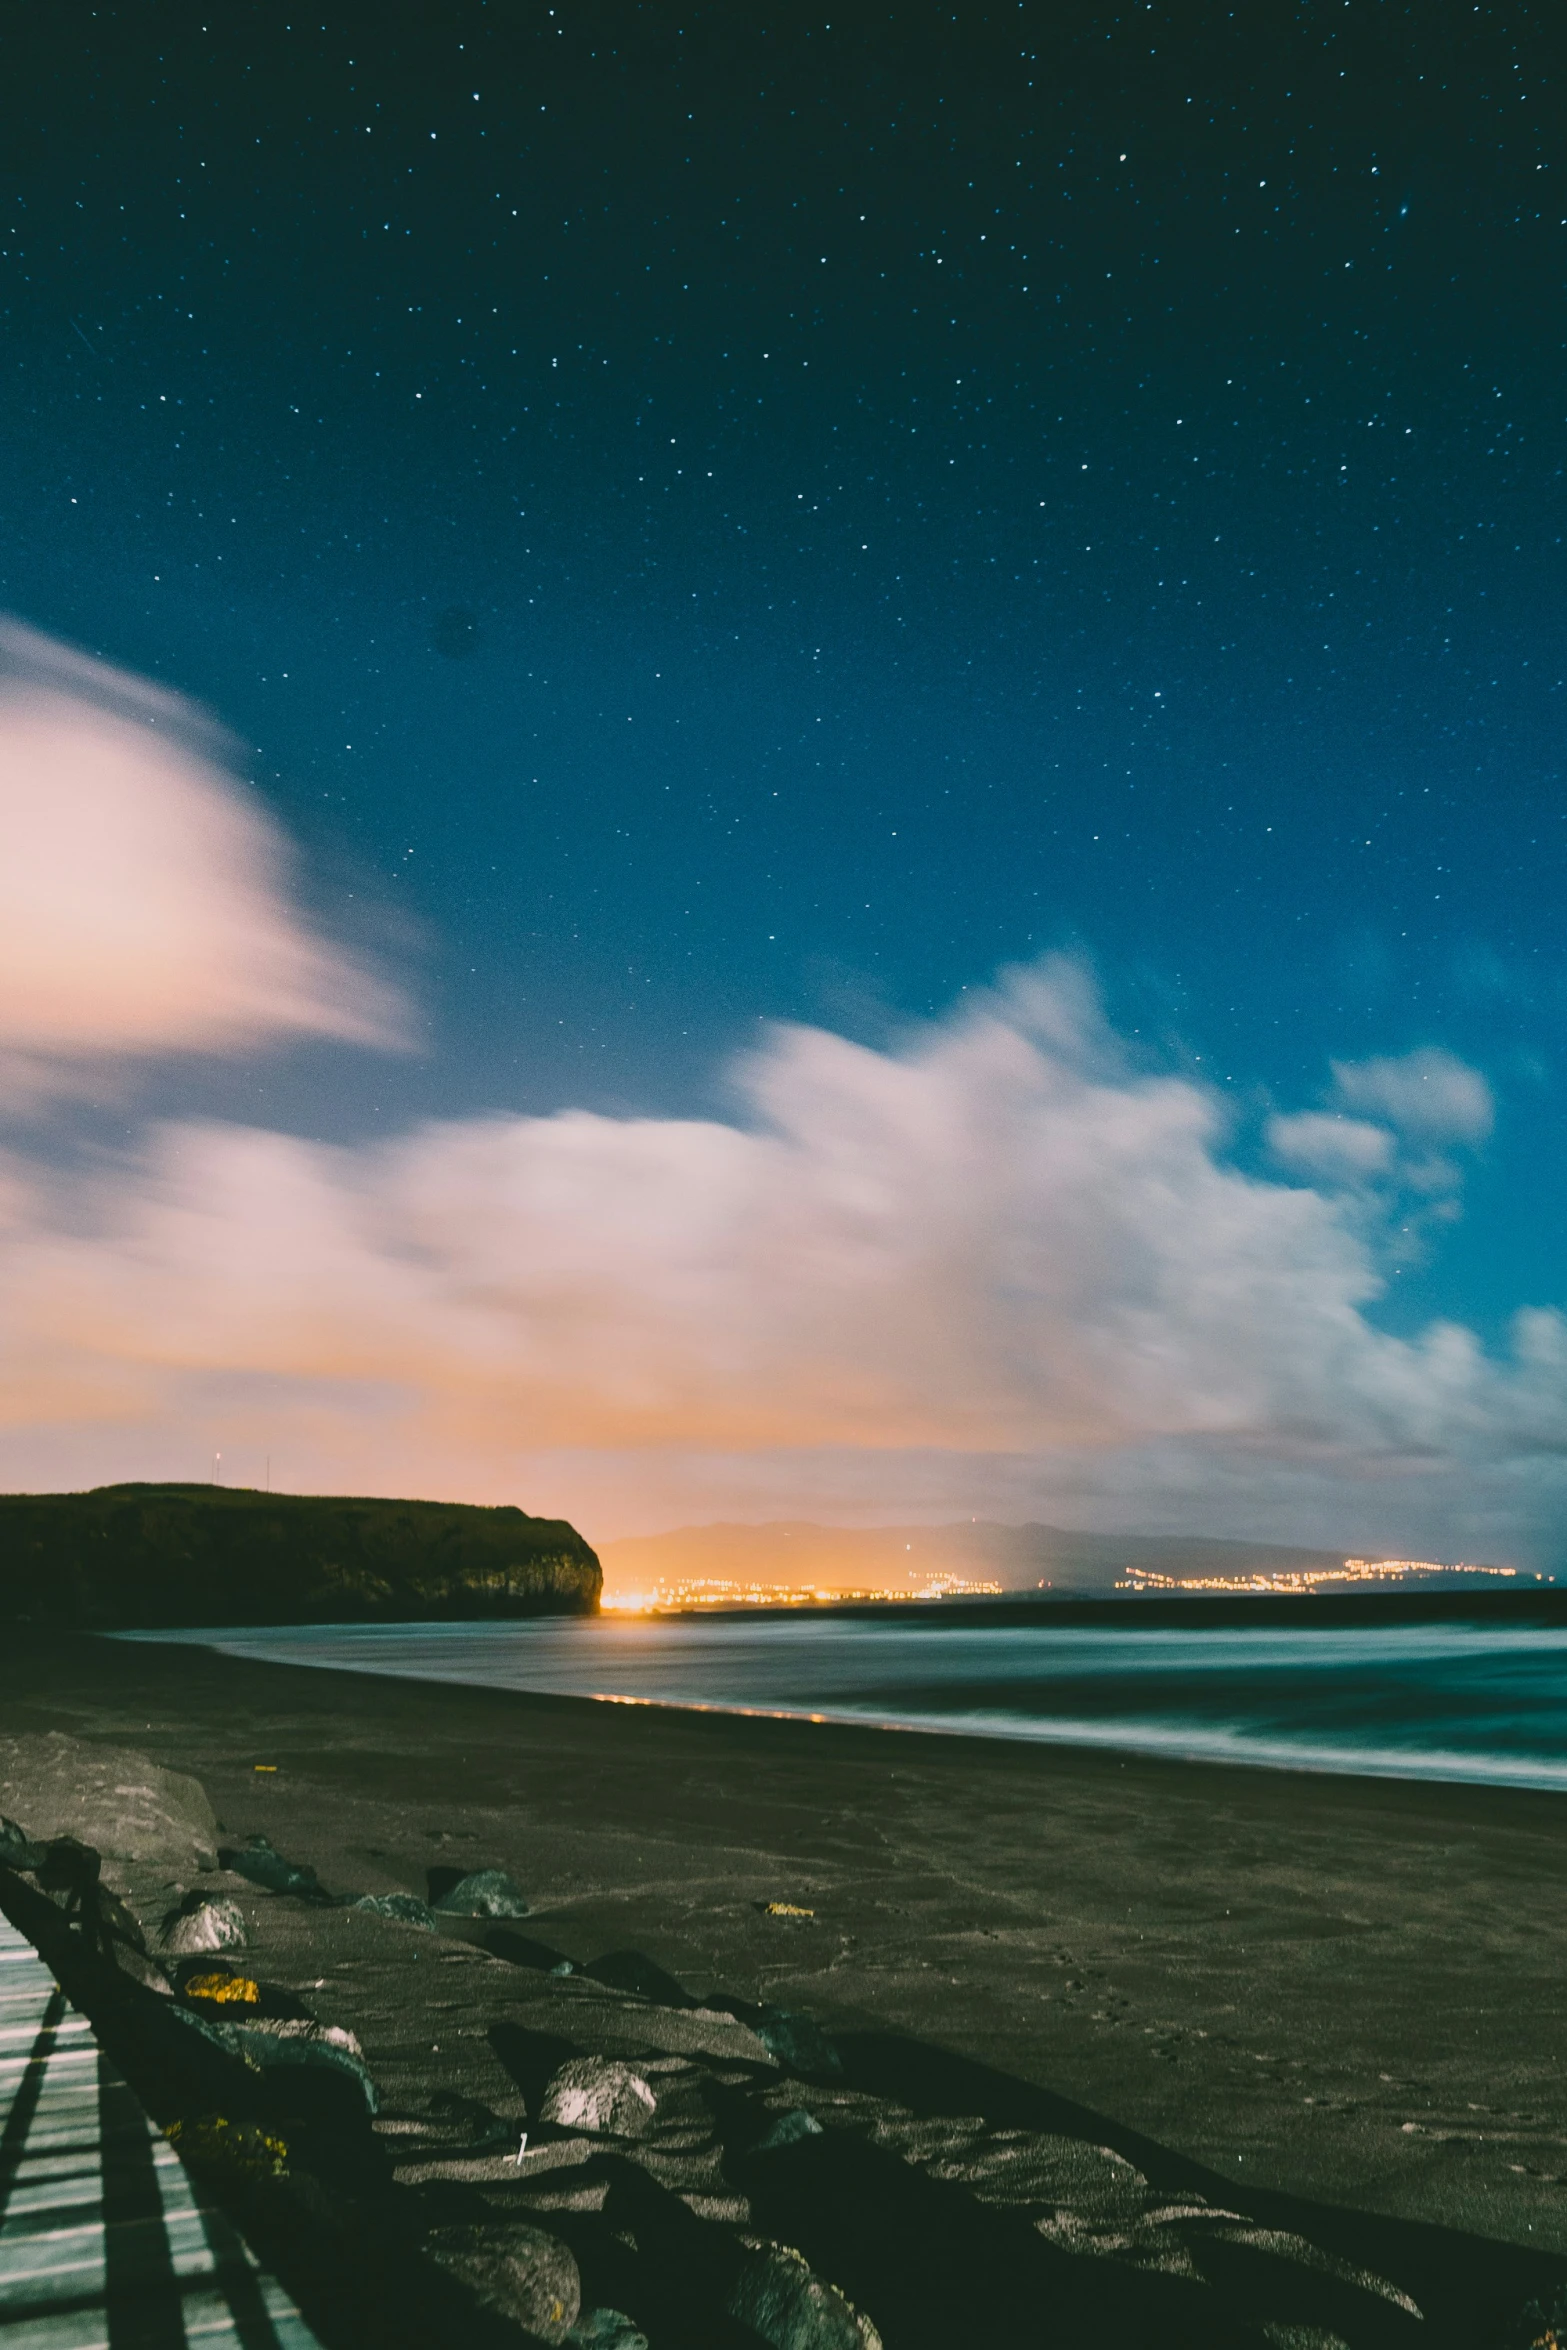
column 106, row 2241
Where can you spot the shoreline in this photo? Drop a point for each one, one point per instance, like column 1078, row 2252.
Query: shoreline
column 412, row 1652
column 1326, row 1992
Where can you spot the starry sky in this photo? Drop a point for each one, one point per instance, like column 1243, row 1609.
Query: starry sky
column 701, row 519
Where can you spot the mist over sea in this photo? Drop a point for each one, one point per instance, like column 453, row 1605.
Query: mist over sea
column 1454, row 1701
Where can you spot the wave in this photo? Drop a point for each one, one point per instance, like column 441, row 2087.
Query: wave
column 1466, row 1703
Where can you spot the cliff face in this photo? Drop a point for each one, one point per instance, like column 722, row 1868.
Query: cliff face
column 133, row 1555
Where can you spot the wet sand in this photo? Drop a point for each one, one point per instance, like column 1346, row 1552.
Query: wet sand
column 1346, row 1993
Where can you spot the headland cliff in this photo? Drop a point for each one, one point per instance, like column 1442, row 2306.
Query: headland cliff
column 124, row 1556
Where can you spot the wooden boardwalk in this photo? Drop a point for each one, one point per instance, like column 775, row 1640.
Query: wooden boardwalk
column 104, row 2238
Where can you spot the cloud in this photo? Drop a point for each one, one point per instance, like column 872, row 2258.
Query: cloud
column 1000, row 1239
column 1429, row 1095
column 1343, row 1150
column 1428, row 1098
column 144, row 894
column 997, row 1262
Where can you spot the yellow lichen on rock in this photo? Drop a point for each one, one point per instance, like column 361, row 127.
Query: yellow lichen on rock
column 228, row 1989
column 213, row 2142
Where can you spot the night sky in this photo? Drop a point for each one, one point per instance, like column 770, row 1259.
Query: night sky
column 701, row 518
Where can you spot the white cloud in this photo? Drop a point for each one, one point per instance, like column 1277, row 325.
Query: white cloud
column 1343, row 1150
column 997, row 1240
column 1429, row 1095
column 999, row 1260
column 144, row 903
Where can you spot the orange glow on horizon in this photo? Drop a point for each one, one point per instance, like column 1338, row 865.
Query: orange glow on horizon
column 706, row 1591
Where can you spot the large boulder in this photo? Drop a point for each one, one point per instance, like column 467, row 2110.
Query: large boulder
column 518, row 2271
column 607, row 2329
column 119, row 1801
column 798, row 2042
column 780, row 2296
column 204, row 1922
column 270, row 2047
column 407, row 1908
column 484, row 1893
column 598, row 2093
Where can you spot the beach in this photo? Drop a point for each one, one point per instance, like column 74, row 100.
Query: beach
column 1312, row 1995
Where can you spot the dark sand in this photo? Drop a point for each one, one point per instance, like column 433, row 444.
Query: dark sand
column 1256, row 1985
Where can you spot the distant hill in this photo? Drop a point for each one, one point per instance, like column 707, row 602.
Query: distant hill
column 1019, row 1558
column 135, row 1555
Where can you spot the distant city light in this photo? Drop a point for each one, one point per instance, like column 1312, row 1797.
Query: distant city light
column 1305, row 1579
column 683, row 1594
column 712, row 1591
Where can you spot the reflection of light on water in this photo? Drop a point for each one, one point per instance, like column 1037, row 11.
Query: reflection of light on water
column 711, row 1591
column 1308, row 1578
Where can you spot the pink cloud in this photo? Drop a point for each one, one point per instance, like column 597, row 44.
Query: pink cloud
column 999, row 1239
column 997, row 1260
column 144, row 899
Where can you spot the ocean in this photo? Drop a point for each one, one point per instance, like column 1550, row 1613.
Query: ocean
column 1455, row 1701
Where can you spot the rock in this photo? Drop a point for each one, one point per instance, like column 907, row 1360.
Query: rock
column 484, row 2131
column 598, row 2093
column 141, row 1969
column 65, row 1866
column 518, row 2271
column 111, row 1797
column 607, row 2329
column 17, row 1849
column 119, row 1937
column 791, row 2039
column 522, row 1950
column 219, row 1988
column 204, row 1921
column 298, row 2027
column 267, row 2047
column 272, row 2045
column 235, row 2152
column 407, row 1908
column 217, row 2035
column 115, row 1921
column 788, row 2130
column 779, row 2296
column 633, row 1970
column 798, row 2042
column 262, row 1865
column 488, row 1893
